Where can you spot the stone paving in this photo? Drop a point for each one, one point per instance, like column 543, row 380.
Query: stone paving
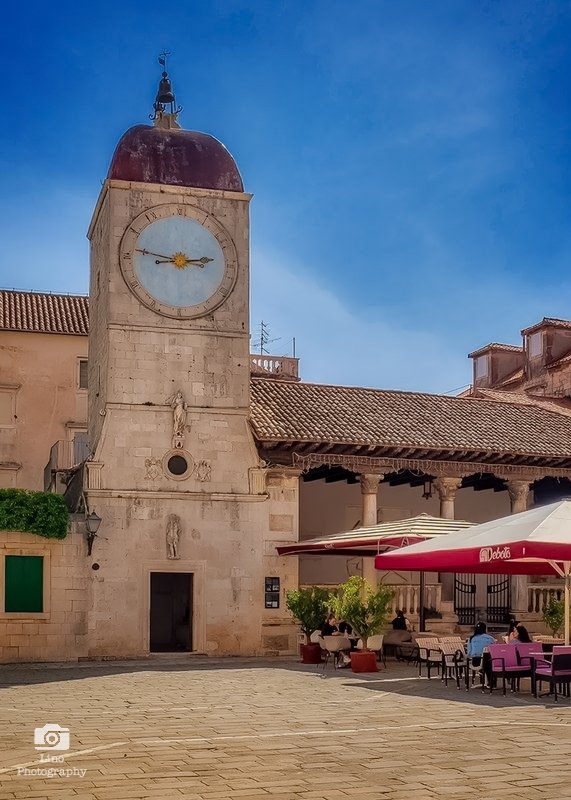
column 204, row 729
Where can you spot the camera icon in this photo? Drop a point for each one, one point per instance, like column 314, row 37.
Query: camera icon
column 51, row 737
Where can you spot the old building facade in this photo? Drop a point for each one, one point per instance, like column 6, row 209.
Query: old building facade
column 201, row 460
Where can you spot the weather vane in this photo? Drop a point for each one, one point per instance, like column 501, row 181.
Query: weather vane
column 165, row 108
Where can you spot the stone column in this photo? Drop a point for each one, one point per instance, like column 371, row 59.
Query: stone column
column 518, row 491
column 369, row 490
column 447, row 488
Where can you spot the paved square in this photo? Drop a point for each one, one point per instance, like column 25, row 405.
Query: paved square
column 204, row 729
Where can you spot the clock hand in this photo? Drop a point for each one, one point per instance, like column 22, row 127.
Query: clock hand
column 195, row 262
column 150, row 253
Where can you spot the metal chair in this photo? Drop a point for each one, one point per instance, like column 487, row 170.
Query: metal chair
column 504, row 661
column 453, row 660
column 557, row 673
column 429, row 653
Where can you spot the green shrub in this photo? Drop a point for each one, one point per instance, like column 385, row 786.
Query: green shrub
column 33, row 512
column 309, row 607
column 364, row 608
column 554, row 615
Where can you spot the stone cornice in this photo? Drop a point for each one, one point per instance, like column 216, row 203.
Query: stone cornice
column 157, row 495
column 452, row 469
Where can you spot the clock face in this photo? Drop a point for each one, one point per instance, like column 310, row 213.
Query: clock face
column 178, row 260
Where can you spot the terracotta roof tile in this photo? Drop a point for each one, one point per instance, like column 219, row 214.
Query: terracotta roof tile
column 560, row 362
column 558, row 405
column 509, row 348
column 350, row 415
column 39, row 312
column 547, row 322
column 513, row 377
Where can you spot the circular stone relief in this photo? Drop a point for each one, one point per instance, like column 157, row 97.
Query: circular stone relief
column 178, row 465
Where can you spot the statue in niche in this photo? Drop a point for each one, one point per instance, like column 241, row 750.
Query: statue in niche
column 179, row 407
column 173, row 536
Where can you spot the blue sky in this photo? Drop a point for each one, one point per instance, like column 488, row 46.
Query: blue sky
column 410, row 162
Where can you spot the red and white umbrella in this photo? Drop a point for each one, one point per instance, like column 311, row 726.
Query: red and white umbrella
column 372, row 540
column 536, row 542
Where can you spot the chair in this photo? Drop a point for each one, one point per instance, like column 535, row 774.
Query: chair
column 453, row 658
column 375, row 643
column 558, row 673
column 524, row 651
column 430, row 654
column 504, row 661
column 315, row 637
column 471, row 671
column 335, row 646
column 397, row 643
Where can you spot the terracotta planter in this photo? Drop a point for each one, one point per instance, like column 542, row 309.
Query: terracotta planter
column 364, row 661
column 310, row 653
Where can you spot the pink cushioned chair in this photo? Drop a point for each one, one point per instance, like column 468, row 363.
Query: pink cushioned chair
column 504, row 661
column 558, row 673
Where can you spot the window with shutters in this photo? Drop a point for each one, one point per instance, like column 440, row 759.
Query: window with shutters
column 82, row 373
column 24, row 584
column 8, row 406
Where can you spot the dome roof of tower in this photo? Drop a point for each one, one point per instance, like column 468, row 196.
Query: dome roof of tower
column 174, row 157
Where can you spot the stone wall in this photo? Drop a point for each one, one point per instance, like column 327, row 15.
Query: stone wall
column 60, row 632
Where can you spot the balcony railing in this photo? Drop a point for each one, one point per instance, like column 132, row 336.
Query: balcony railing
column 64, row 457
column 275, row 367
column 539, row 595
column 407, row 597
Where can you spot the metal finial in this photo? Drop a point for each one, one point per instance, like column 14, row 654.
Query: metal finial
column 165, row 108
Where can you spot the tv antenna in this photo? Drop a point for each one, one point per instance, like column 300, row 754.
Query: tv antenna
column 264, row 339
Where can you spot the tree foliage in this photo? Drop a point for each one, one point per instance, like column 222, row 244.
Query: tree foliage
column 554, row 615
column 41, row 513
column 363, row 607
column 309, row 607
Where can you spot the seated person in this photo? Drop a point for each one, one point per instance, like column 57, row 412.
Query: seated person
column 345, row 628
column 400, row 622
column 512, row 633
column 520, row 635
column 329, row 627
column 476, row 643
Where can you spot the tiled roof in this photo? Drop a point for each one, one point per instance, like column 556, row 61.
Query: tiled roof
column 306, row 412
column 551, row 322
column 39, row 312
column 560, row 362
column 509, row 348
column 513, row 377
column 558, row 405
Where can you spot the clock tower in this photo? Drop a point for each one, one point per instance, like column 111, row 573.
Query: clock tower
column 174, row 473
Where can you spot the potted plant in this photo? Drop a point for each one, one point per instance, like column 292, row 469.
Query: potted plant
column 309, row 607
column 366, row 610
column 554, row 615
